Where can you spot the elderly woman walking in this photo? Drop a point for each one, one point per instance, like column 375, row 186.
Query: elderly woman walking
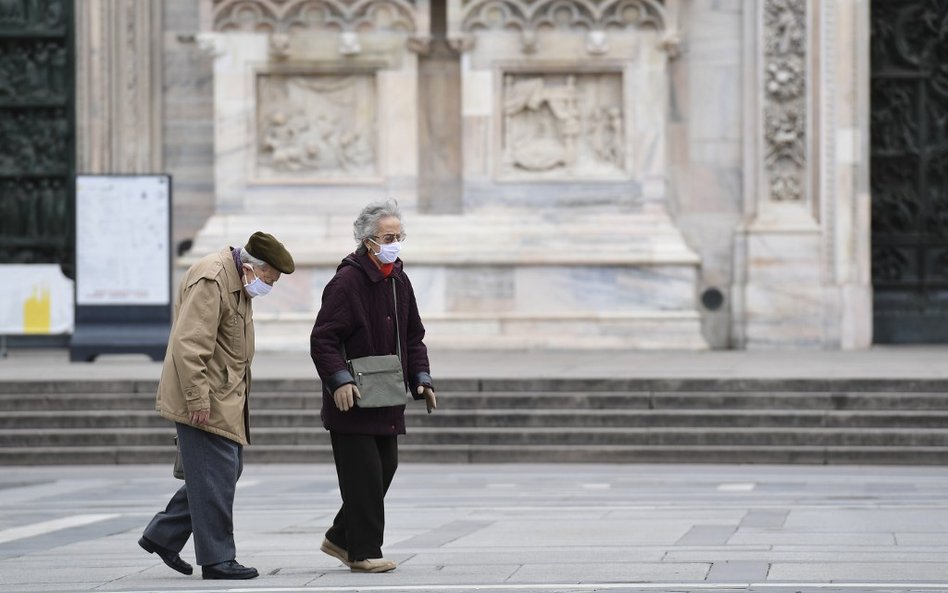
column 368, row 310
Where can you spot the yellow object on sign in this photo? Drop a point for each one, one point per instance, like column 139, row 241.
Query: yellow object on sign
column 37, row 300
column 37, row 312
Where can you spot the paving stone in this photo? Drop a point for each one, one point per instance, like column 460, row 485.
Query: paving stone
column 443, row 534
column 872, row 520
column 743, row 536
column 611, row 570
column 765, row 519
column 739, row 571
column 911, row 572
column 705, row 535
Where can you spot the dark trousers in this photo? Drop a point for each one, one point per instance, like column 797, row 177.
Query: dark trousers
column 204, row 505
column 365, row 465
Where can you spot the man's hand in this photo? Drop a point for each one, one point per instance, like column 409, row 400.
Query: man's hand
column 430, row 400
column 345, row 397
column 199, row 417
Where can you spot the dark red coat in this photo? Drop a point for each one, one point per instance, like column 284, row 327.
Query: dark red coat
column 357, row 310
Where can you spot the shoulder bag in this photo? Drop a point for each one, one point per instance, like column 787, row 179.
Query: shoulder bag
column 380, row 379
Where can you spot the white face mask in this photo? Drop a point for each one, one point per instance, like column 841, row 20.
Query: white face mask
column 388, row 252
column 257, row 287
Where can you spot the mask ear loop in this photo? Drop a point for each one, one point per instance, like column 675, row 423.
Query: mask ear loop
column 380, row 248
column 247, row 268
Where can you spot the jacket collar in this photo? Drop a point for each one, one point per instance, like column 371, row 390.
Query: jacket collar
column 235, row 283
column 371, row 270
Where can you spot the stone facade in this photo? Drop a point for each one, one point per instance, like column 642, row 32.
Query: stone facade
column 575, row 173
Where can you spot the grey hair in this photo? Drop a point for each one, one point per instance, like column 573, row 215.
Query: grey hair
column 246, row 258
column 366, row 225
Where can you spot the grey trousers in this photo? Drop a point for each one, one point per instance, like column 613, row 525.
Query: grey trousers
column 204, row 505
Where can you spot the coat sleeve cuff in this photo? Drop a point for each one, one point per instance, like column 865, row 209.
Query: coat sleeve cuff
column 338, row 379
column 197, row 398
column 421, row 379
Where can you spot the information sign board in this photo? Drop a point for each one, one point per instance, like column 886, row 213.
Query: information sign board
column 123, row 265
column 122, row 230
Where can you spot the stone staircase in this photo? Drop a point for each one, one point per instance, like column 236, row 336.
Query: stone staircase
column 635, row 421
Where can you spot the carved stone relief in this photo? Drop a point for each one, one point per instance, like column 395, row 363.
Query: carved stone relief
column 785, row 98
column 281, row 16
column 563, row 126
column 316, row 126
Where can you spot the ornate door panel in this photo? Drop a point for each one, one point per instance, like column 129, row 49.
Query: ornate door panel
column 36, row 131
column 909, row 178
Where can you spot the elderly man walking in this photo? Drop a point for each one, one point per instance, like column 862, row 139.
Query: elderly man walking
column 204, row 388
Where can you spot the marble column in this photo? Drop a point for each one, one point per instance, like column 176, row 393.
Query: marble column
column 118, row 86
column 802, row 253
column 844, row 182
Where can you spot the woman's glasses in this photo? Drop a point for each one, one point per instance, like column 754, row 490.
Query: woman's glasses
column 385, row 239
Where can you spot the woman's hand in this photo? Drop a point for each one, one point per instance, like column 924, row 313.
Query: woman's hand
column 345, row 397
column 430, row 400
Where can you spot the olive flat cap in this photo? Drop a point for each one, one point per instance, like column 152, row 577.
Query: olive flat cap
column 265, row 246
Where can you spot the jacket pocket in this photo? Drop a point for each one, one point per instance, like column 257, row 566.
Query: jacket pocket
column 233, row 332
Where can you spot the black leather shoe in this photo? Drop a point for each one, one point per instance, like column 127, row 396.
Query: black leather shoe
column 170, row 558
column 228, row 570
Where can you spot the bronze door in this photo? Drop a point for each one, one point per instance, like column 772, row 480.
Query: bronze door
column 909, row 178
column 37, row 139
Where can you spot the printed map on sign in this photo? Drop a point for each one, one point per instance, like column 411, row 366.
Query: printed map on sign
column 122, row 240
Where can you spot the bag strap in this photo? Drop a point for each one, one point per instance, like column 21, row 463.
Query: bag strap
column 398, row 341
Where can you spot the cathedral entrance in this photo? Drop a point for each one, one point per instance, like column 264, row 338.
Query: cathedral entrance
column 909, row 178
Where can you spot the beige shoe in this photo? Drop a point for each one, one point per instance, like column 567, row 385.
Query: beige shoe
column 372, row 565
column 327, row 547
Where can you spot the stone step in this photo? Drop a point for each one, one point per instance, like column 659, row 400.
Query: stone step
column 642, row 418
column 513, row 400
column 132, row 401
column 507, row 454
column 672, row 387
column 497, row 420
column 791, row 437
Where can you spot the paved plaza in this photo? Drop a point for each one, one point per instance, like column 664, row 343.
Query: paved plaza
column 517, row 527
column 533, row 528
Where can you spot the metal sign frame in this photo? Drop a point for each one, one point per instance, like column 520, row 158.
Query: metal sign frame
column 109, row 324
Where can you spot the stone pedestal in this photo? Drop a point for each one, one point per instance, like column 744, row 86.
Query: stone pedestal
column 499, row 281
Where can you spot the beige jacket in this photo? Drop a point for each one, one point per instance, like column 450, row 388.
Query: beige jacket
column 207, row 364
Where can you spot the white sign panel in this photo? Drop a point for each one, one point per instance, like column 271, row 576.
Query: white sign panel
column 123, row 240
column 37, row 300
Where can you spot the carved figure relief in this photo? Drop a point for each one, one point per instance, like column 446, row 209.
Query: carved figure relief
column 316, row 126
column 563, row 126
column 785, row 97
column 31, row 70
column 281, row 16
column 34, row 141
column 31, row 14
